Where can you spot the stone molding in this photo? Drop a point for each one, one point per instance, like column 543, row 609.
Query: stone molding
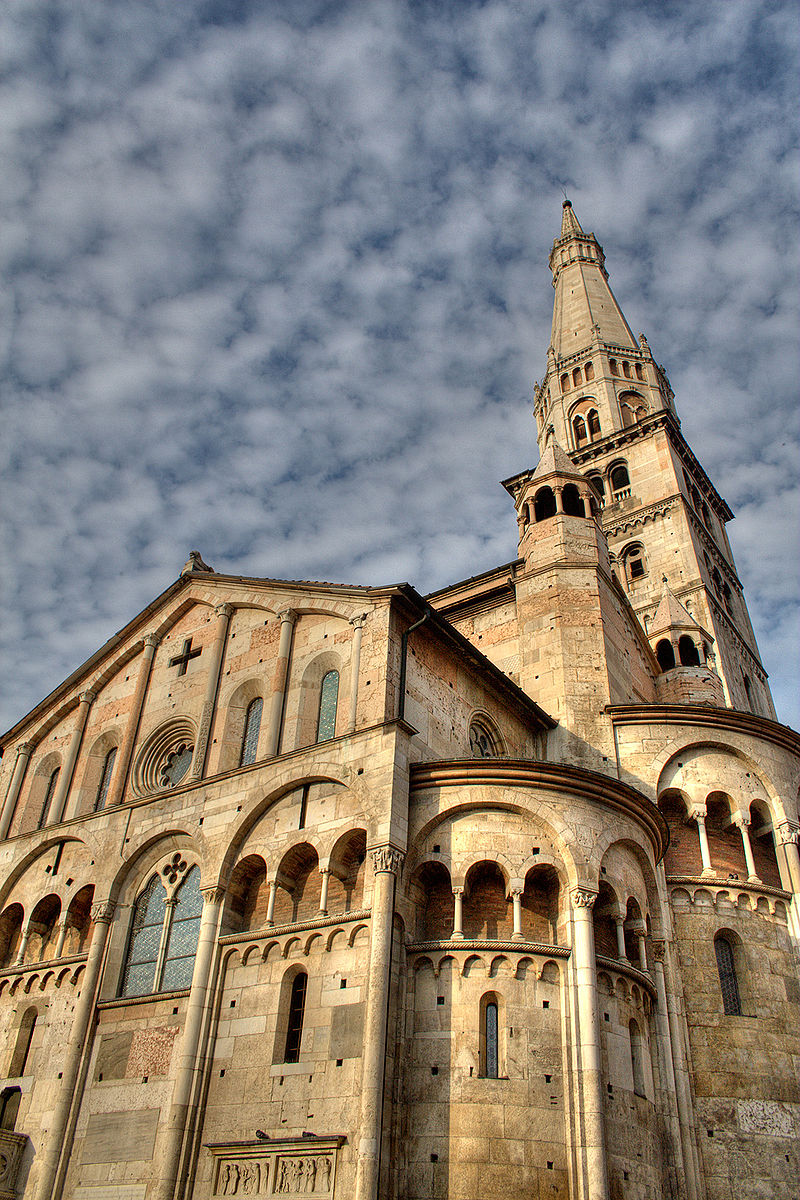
column 640, row 517
column 469, row 944
column 715, row 718
column 387, row 858
column 43, row 967
column 215, row 893
column 728, row 885
column 632, row 972
column 582, row 897
column 271, row 931
column 790, row 833
column 276, row 1166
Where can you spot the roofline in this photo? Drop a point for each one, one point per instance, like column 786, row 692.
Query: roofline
column 504, row 568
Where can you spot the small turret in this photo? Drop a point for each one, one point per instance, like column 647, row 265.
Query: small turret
column 684, row 652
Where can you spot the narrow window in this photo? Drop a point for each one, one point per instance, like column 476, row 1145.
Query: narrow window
column 48, row 796
column 328, row 699
column 747, row 690
column 294, row 1030
column 636, row 568
column 252, row 726
column 579, row 429
column 9, row 1107
column 620, row 482
column 105, row 780
column 594, row 423
column 628, row 417
column 145, row 940
column 597, row 483
column 565, row 383
column 612, row 362
column 576, row 377
column 490, row 1036
column 589, row 372
column 687, row 651
column 184, row 932
column 729, row 984
column 626, row 370
column 544, row 504
column 639, row 371
column 22, row 1048
column 637, row 1064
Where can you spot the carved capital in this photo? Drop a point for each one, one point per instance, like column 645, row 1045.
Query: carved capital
column 583, row 898
column 741, row 822
column 223, row 610
column 790, row 833
column 151, row 640
column 287, row 616
column 698, row 813
column 359, row 622
column 517, row 891
column 659, row 951
column 387, row 858
column 24, row 749
column 103, row 911
column 214, row 894
column 87, row 697
column 458, row 891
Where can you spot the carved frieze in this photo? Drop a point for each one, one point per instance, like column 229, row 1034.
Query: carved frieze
column 11, row 1147
column 284, row 1167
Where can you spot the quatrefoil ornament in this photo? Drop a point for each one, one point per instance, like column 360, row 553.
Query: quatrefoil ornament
column 175, row 867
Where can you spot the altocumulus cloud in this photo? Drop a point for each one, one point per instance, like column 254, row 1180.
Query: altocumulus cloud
column 275, row 285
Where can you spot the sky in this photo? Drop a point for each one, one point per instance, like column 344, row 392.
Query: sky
column 275, row 286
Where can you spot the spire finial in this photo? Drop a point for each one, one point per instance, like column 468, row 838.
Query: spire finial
column 569, row 222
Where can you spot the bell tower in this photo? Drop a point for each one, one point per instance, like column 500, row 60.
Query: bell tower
column 609, row 404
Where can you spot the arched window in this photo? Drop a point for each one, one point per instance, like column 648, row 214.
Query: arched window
column 491, row 1031
column 576, row 377
column 716, row 579
column 597, row 483
column 620, row 482
column 9, row 1106
column 634, row 560
column 483, row 741
column 252, row 726
column 105, row 780
column 175, row 765
column 579, row 429
column 294, row 1029
column 637, row 1058
column 328, row 700
column 687, row 651
column 612, row 362
column 565, row 383
column 593, row 419
column 571, row 501
column 728, row 983
column 163, row 938
column 665, row 655
column 544, row 504
column 48, row 796
column 626, row 370
column 22, row 1048
column 639, row 371
column 588, row 371
column 748, row 689
column 726, row 596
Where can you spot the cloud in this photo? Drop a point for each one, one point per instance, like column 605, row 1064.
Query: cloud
column 275, row 285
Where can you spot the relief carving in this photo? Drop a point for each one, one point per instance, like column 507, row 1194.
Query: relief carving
column 303, row 1175
column 283, row 1172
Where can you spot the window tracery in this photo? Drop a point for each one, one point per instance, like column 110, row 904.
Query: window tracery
column 164, row 932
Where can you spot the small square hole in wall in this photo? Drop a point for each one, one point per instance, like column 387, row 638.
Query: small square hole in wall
column 99, row 1077
column 360, row 771
column 233, row 1004
column 437, row 849
column 548, row 1078
column 625, row 1175
column 434, row 1070
column 606, row 1017
column 609, row 1088
column 342, row 983
column 545, row 1004
column 535, row 850
column 710, row 1132
column 280, row 1082
column 239, row 809
column 549, row 1166
column 60, row 1075
column 434, row 1158
column 339, row 1062
column 145, row 1078
column 175, row 1011
column 200, row 822
column 440, row 1000
column 222, row 1073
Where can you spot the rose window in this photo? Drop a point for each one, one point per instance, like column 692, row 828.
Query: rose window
column 175, row 765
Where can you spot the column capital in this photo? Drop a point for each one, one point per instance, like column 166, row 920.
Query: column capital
column 789, row 833
column 458, row 891
column 659, row 950
column 697, row 813
column 741, row 822
column 387, row 858
column 359, row 622
column 25, row 749
column 223, row 610
column 516, row 890
column 87, row 697
column 213, row 894
column 287, row 616
column 103, row 911
column 151, row 640
column 582, row 897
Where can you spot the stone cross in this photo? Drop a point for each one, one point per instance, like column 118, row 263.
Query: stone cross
column 187, row 653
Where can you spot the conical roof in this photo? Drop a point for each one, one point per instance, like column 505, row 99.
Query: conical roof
column 671, row 614
column 555, row 461
column 569, row 222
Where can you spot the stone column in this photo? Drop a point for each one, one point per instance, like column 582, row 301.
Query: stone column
column 273, row 891
column 743, row 825
column 592, row 1147
column 24, row 751
column 677, row 1114
column 58, row 1145
column 699, row 815
column 790, row 836
column 123, row 761
column 188, row 1057
column 358, row 624
column 516, row 901
column 224, row 612
column 27, row 930
column 458, row 915
column 387, row 862
column 642, row 951
column 58, row 804
column 619, row 923
column 279, row 682
column 559, row 495
column 677, row 1070
column 325, row 872
column 62, row 937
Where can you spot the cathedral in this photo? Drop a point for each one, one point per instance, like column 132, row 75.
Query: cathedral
column 497, row 895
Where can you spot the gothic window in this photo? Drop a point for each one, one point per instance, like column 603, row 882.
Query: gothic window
column 175, row 765
column 665, row 655
column 728, row 982
column 593, row 419
column 589, row 372
column 620, row 482
column 483, row 742
column 164, row 933
column 747, row 690
column 48, row 796
column 687, row 652
column 252, row 726
column 726, row 596
column 328, row 700
column 597, row 483
column 716, row 580
column 105, row 780
column 490, row 1036
column 579, row 429
column 294, row 1029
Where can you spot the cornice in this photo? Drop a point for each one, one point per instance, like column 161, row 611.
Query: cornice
column 553, row 777
column 640, row 977
column 728, row 885
column 711, row 718
column 272, row 931
column 449, row 946
column 640, row 516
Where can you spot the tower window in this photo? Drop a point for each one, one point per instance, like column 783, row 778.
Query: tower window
column 294, row 1030
column 328, row 701
column 48, row 796
column 579, row 429
column 639, row 371
column 577, row 378
column 588, row 371
column 572, row 502
column 597, row 483
column 687, row 652
column 637, row 1063
column 565, row 383
column 612, row 362
column 490, row 1019
column 620, row 482
column 626, row 370
column 728, row 982
column 665, row 655
column 544, row 504
column 593, row 419
column 105, row 780
column 634, row 561
column 252, row 726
